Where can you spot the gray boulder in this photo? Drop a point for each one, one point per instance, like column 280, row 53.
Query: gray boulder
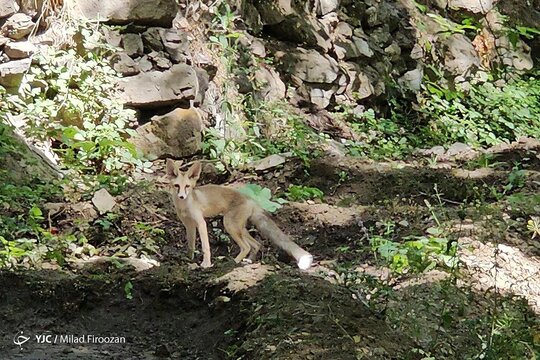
column 20, row 49
column 310, row 66
column 460, row 55
column 11, row 73
column 177, row 85
column 140, row 12
column 176, row 134
column 17, row 26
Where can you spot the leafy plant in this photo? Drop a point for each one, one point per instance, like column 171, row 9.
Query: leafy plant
column 418, row 254
column 263, row 196
column 128, row 290
column 70, row 98
column 485, row 116
column 378, row 137
column 301, row 193
column 533, row 225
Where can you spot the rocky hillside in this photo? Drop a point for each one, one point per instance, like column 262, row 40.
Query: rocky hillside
column 316, row 55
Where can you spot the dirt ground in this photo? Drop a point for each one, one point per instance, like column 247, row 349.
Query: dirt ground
column 347, row 307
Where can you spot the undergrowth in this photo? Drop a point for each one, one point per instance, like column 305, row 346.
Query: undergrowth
column 483, row 116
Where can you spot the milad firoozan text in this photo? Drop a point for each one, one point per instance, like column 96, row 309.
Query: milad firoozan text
column 79, row 339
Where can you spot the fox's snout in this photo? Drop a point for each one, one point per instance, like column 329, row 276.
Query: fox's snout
column 182, row 190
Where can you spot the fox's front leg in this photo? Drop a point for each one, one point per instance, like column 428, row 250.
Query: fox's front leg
column 203, row 233
column 191, row 233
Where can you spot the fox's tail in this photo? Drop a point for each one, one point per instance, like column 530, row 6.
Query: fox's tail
column 269, row 229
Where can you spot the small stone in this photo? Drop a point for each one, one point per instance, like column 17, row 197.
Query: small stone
column 11, row 73
column 132, row 44
column 160, row 60
column 103, row 201
column 324, row 7
column 152, row 39
column 18, row 26
column 412, row 80
column 20, row 50
column 145, row 64
column 417, row 52
column 458, row 148
column 124, row 64
column 112, row 37
column 8, row 8
column 343, row 30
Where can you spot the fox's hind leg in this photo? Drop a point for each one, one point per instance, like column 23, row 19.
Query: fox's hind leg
column 234, row 225
column 255, row 245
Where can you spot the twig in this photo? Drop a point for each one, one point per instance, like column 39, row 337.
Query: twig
column 447, row 200
column 339, row 325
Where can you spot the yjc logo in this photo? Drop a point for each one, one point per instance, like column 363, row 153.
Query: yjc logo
column 20, row 339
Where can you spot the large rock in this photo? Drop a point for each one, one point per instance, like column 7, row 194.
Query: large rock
column 177, row 85
column 11, row 73
column 18, row 26
column 354, row 48
column 176, row 134
column 272, row 12
column 320, row 97
column 19, row 50
column 460, row 54
column 412, row 80
column 8, row 8
column 269, row 85
column 310, row 66
column 474, row 6
column 288, row 21
column 323, row 7
column 142, row 12
column 516, row 55
column 304, row 30
column 354, row 82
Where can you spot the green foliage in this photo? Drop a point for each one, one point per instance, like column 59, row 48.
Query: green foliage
column 514, row 34
column 23, row 233
column 263, row 197
column 128, row 290
column 70, row 97
column 301, row 193
column 80, row 91
column 246, row 118
column 378, row 137
column 256, row 142
column 449, row 27
column 414, row 253
column 485, row 116
column 523, row 203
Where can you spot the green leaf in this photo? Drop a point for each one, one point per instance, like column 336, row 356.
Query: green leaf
column 262, row 196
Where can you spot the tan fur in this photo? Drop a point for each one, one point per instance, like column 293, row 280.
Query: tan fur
column 194, row 204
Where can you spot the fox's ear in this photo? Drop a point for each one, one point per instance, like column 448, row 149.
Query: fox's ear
column 194, row 171
column 172, row 169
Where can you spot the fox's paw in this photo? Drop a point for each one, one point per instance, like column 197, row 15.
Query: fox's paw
column 206, row 264
column 247, row 261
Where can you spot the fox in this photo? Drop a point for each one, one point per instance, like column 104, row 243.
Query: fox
column 194, row 204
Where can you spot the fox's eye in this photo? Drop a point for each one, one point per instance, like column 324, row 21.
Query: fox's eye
column 188, row 186
column 177, row 186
